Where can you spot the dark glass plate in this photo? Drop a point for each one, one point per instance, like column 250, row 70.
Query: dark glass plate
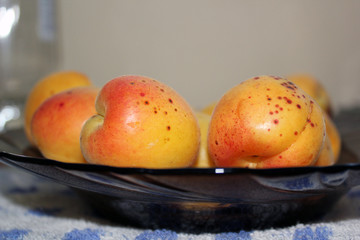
column 195, row 200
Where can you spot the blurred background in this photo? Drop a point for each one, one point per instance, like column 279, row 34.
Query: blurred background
column 203, row 48
column 200, row 48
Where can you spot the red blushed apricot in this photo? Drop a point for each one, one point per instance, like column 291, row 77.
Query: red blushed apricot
column 261, row 123
column 141, row 122
column 56, row 124
column 47, row 87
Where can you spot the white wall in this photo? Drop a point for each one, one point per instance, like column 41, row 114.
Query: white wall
column 202, row 48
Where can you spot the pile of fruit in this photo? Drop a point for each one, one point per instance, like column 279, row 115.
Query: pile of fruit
column 136, row 121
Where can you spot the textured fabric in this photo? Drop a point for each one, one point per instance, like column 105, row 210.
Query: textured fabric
column 34, row 208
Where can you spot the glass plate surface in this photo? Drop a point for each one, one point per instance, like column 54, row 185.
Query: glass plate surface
column 195, row 200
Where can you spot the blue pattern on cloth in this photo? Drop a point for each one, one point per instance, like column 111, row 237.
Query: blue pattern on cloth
column 13, row 234
column 34, row 208
column 88, row 234
column 242, row 235
column 306, row 233
column 157, row 235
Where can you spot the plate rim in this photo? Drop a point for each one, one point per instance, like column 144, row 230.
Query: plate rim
column 7, row 157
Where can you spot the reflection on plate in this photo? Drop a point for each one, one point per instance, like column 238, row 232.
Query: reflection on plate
column 195, row 200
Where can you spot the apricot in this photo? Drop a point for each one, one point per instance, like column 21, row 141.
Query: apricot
column 334, row 136
column 266, row 122
column 203, row 160
column 326, row 157
column 57, row 123
column 141, row 122
column 331, row 151
column 47, row 87
column 314, row 88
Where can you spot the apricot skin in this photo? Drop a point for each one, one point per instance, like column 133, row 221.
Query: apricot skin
column 141, row 122
column 314, row 88
column 331, row 151
column 47, row 87
column 56, row 124
column 317, row 91
column 266, row 122
column 203, row 160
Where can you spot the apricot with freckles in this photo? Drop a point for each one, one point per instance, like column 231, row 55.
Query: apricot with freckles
column 314, row 88
column 47, row 87
column 141, row 122
column 266, row 122
column 332, row 146
column 56, row 124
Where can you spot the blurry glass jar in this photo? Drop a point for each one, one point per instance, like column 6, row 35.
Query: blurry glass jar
column 28, row 52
